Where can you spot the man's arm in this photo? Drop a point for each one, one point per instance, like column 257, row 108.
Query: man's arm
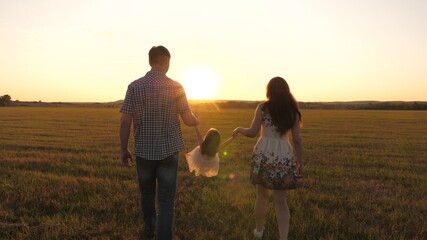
column 125, row 123
column 189, row 119
column 184, row 109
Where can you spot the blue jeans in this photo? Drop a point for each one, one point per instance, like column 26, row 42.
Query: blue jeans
column 163, row 172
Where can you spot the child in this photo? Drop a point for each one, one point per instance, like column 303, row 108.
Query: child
column 274, row 165
column 204, row 159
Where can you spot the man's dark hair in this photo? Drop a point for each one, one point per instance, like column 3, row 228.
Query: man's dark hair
column 158, row 55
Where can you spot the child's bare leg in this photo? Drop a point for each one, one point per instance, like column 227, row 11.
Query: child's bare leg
column 282, row 213
column 261, row 207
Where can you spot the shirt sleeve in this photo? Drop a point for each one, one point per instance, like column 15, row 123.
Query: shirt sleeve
column 181, row 100
column 127, row 103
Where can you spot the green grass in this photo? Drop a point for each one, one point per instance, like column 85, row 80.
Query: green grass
column 61, row 176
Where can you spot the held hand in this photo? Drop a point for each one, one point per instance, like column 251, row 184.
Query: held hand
column 126, row 158
column 235, row 132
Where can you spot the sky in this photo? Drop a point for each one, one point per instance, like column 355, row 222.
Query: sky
column 329, row 50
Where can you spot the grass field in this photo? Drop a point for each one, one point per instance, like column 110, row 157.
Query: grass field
column 61, row 178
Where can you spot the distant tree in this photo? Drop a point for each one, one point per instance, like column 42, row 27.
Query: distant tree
column 5, row 100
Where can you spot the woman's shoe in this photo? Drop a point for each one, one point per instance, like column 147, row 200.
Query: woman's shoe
column 258, row 234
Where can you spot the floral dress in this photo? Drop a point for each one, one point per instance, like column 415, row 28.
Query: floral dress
column 273, row 164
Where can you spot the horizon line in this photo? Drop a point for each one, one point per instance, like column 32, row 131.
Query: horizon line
column 223, row 100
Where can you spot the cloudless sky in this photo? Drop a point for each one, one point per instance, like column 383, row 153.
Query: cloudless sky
column 329, row 50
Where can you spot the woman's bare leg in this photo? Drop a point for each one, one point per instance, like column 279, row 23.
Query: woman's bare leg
column 282, row 213
column 261, row 207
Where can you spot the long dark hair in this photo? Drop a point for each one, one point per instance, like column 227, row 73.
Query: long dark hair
column 282, row 106
column 211, row 143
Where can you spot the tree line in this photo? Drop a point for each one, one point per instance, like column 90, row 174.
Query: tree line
column 365, row 105
column 5, row 100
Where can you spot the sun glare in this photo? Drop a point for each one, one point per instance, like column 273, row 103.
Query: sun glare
column 200, row 83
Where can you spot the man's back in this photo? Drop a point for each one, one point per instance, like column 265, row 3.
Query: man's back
column 155, row 101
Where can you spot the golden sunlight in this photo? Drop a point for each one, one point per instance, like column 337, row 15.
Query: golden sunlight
column 200, row 83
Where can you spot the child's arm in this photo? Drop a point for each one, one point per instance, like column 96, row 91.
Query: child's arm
column 199, row 135
column 224, row 144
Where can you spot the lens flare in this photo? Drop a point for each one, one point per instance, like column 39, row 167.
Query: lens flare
column 231, row 176
column 225, row 153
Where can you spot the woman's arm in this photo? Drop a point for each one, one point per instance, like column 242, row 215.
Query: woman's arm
column 296, row 139
column 255, row 126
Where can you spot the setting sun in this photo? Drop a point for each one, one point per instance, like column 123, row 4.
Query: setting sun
column 199, row 83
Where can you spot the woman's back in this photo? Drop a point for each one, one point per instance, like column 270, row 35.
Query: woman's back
column 268, row 129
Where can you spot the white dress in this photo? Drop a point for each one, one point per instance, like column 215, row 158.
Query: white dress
column 202, row 164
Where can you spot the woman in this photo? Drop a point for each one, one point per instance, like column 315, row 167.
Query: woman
column 274, row 165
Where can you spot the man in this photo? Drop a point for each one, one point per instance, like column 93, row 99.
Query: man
column 154, row 103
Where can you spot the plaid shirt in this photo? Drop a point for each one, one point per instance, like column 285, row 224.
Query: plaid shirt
column 155, row 101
